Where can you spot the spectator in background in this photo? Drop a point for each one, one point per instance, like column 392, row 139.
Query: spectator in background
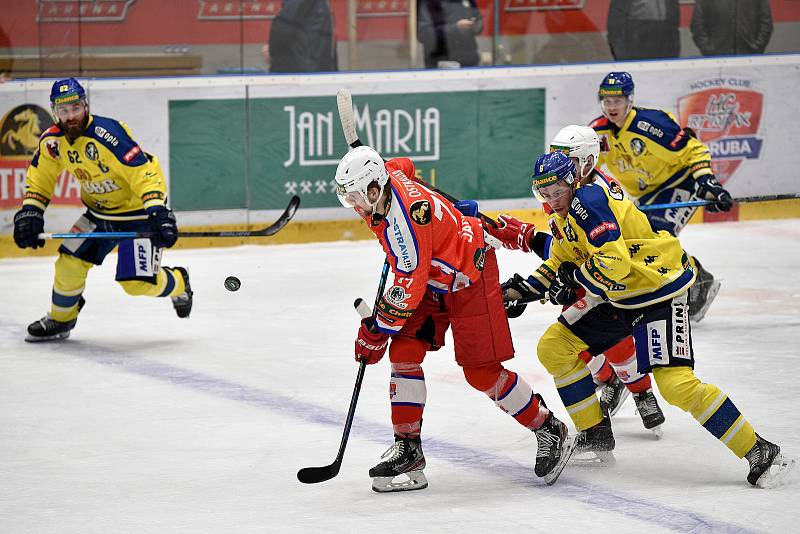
column 644, row 29
column 302, row 38
column 447, row 30
column 726, row 27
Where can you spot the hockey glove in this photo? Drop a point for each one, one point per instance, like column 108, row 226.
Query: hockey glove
column 370, row 346
column 517, row 293
column 164, row 225
column 28, row 224
column 563, row 290
column 513, row 233
column 708, row 188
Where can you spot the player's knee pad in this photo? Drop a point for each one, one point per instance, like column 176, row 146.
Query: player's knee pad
column 406, row 349
column 559, row 349
column 484, row 377
column 680, row 387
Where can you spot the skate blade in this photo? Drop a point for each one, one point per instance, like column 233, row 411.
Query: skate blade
column 415, row 480
column 625, row 394
column 594, row 458
column 657, row 432
column 712, row 294
column 39, row 339
column 566, row 453
column 778, row 473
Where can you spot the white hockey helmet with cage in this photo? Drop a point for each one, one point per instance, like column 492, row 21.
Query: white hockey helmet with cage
column 579, row 142
column 357, row 170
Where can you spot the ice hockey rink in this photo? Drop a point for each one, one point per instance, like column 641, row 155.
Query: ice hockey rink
column 142, row 422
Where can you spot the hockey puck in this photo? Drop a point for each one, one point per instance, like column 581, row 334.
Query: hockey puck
column 232, row 283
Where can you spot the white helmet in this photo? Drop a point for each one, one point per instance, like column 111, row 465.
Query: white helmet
column 359, row 168
column 577, row 142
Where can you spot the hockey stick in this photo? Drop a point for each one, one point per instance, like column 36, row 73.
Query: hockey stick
column 272, row 229
column 344, row 101
column 313, row 475
column 742, row 200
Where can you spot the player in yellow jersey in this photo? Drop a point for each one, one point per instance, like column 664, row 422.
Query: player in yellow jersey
column 605, row 246
column 656, row 161
column 123, row 189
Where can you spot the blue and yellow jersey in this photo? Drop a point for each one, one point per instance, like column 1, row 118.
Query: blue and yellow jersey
column 650, row 152
column 620, row 257
column 118, row 179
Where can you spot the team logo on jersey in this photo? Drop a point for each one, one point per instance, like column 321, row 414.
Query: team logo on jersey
column 725, row 113
column 555, row 231
column 91, row 151
column 52, row 148
column 396, row 296
column 20, row 130
column 637, row 146
column 420, row 212
column 615, row 191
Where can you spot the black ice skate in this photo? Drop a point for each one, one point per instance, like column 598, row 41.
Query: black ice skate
column 649, row 411
column 702, row 293
column 761, row 458
column 47, row 329
column 612, row 395
column 183, row 302
column 406, row 458
column 554, row 448
column 594, row 445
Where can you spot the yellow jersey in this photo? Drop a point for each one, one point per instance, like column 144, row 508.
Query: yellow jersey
column 650, row 152
column 118, row 179
column 620, row 258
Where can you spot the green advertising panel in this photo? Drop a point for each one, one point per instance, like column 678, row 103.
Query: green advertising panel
column 256, row 153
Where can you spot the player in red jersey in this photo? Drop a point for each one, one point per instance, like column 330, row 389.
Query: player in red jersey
column 444, row 276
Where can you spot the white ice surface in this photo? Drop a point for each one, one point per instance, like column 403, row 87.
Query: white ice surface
column 142, row 422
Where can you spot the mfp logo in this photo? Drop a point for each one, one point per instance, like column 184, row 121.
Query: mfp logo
column 726, row 114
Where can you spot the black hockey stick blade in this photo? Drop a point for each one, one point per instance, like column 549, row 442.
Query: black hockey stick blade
column 272, row 229
column 314, row 475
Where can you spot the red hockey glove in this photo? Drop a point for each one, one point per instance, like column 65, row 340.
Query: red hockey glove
column 513, row 233
column 370, row 346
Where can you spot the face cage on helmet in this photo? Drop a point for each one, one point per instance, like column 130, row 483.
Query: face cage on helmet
column 569, row 179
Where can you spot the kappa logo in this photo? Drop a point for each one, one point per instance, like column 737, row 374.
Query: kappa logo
column 420, row 212
column 726, row 114
column 637, row 146
column 91, row 151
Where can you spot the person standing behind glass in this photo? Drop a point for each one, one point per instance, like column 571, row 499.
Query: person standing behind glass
column 727, row 27
column 447, row 30
column 644, row 29
column 302, row 38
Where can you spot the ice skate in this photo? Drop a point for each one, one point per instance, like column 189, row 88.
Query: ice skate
column 768, row 467
column 404, row 459
column 48, row 329
column 612, row 395
column 183, row 302
column 593, row 446
column 702, row 293
column 649, row 411
column 553, row 450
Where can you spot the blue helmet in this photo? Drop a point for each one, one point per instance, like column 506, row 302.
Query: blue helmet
column 66, row 91
column 616, row 84
column 549, row 169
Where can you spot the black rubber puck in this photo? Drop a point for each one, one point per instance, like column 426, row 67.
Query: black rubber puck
column 232, row 283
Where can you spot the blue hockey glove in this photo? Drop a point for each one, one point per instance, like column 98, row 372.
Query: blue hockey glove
column 164, row 225
column 563, row 290
column 708, row 188
column 28, row 224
